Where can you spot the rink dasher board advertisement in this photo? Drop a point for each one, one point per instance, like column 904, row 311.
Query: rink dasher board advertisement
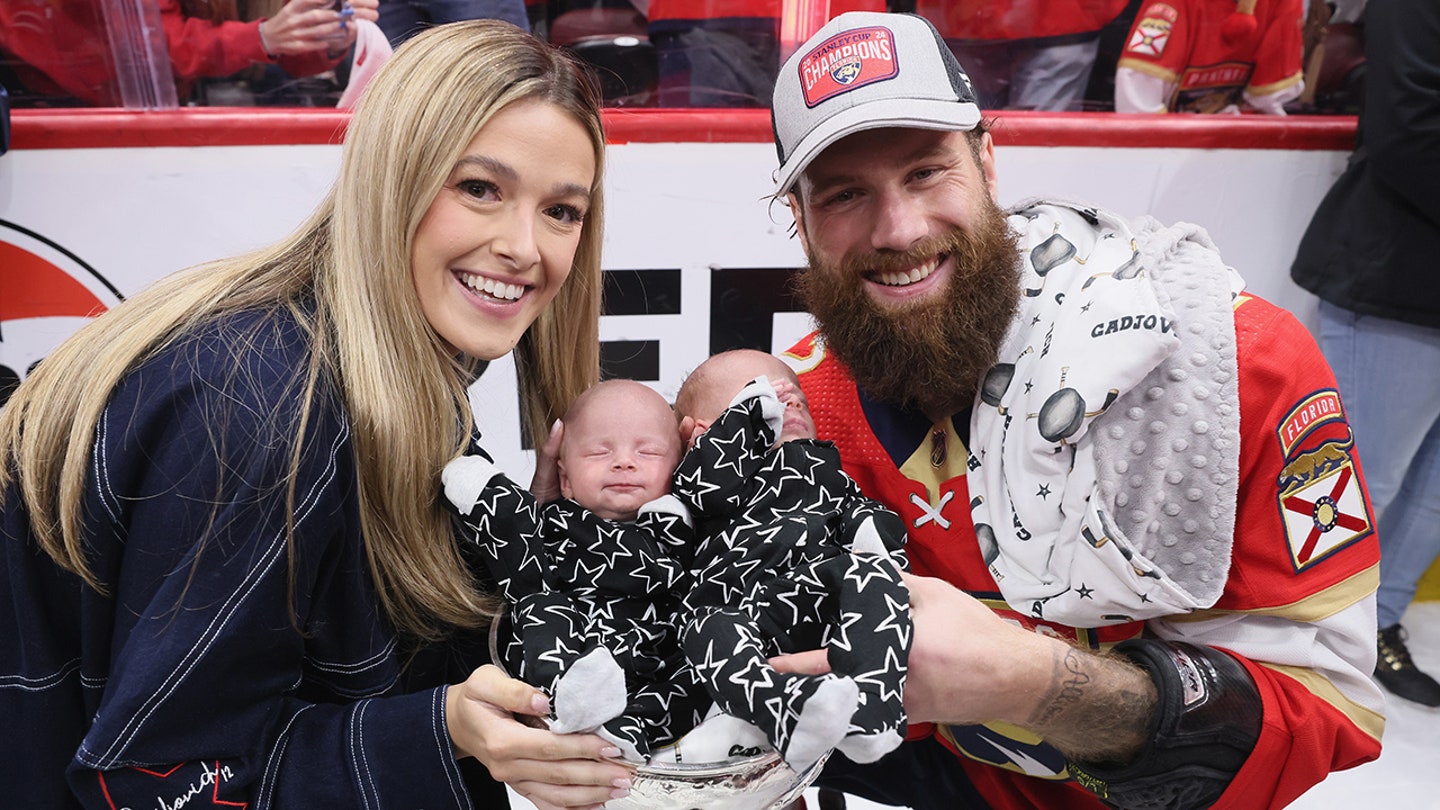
column 696, row 257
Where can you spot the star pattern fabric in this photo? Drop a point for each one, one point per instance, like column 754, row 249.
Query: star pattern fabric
column 778, row 568
column 575, row 583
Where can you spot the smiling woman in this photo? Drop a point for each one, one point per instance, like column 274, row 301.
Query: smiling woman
column 497, row 243
column 236, row 506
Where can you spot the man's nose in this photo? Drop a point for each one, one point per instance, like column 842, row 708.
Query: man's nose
column 899, row 222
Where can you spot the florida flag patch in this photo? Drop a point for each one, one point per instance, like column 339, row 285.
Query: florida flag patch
column 848, row 61
column 1321, row 497
column 1153, row 31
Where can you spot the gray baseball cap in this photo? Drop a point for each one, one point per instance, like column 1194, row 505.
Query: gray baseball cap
column 865, row 70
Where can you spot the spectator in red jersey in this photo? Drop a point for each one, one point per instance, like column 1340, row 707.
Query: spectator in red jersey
column 56, row 53
column 211, row 39
column 1024, row 54
column 1212, row 56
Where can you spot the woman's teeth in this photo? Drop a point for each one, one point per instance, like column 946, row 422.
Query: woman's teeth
column 910, row 276
column 493, row 288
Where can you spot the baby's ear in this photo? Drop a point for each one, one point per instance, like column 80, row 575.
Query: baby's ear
column 690, row 430
column 565, row 489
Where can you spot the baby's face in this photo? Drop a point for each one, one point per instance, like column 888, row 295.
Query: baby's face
column 619, row 451
column 735, row 371
column 798, row 422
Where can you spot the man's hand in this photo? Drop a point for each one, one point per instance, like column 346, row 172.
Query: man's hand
column 968, row 665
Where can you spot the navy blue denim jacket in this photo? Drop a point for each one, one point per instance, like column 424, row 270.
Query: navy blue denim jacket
column 188, row 683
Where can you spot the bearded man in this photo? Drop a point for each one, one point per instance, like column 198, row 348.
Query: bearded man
column 1145, row 561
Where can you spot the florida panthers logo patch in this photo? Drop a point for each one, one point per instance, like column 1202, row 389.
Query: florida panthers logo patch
column 1152, row 33
column 846, row 72
column 1321, row 498
column 846, row 62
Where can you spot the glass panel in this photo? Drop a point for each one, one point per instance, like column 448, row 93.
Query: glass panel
column 1060, row 55
column 612, row 36
column 84, row 53
column 1021, row 54
column 243, row 53
column 686, row 53
column 57, row 53
column 142, row 64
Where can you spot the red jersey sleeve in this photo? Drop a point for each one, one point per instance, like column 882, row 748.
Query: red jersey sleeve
column 1160, row 41
column 1278, row 61
column 1298, row 609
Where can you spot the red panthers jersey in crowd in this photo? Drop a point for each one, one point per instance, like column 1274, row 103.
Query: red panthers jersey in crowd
column 1017, row 19
column 1182, row 43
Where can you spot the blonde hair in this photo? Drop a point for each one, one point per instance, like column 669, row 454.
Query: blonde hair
column 344, row 275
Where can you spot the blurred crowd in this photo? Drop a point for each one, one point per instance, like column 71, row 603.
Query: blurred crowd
column 1134, row 56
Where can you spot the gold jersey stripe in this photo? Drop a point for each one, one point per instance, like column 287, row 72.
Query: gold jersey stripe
column 1148, row 68
column 1312, row 608
column 1367, row 720
column 1267, row 89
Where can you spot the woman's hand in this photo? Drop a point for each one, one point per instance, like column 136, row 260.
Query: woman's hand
column 365, row 10
column 302, row 26
column 545, row 484
column 551, row 770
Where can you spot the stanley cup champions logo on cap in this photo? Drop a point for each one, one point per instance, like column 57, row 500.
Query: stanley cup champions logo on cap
column 865, row 70
column 847, row 61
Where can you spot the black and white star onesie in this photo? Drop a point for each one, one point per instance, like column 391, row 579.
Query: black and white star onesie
column 791, row 556
column 591, row 604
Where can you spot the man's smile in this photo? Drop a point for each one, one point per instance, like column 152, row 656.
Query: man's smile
column 904, row 278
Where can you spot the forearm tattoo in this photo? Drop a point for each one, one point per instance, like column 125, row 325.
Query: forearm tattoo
column 1098, row 708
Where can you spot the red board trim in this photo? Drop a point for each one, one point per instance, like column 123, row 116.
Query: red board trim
column 218, row 126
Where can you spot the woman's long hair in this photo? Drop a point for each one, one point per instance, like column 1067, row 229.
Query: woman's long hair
column 345, row 276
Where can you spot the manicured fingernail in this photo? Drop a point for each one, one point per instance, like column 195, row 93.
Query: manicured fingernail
column 623, row 784
column 620, row 793
column 610, row 752
column 540, row 704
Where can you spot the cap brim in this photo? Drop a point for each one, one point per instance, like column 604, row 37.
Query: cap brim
column 904, row 113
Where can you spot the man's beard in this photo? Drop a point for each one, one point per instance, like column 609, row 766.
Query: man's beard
column 930, row 353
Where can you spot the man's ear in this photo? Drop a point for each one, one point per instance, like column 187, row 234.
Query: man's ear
column 799, row 212
column 987, row 166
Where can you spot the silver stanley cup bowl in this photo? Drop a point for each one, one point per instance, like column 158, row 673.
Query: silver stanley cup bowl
column 759, row 782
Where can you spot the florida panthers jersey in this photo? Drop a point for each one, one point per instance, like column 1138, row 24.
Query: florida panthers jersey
column 1297, row 609
column 1017, row 19
column 1181, row 44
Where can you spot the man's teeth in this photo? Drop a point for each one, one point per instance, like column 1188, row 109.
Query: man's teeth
column 493, row 288
column 910, row 276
